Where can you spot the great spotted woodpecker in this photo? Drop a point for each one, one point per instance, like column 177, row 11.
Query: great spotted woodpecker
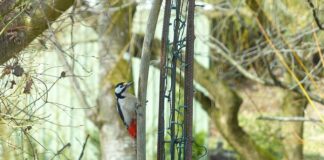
column 126, row 107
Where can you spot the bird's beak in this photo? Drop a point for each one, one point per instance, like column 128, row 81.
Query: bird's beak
column 129, row 84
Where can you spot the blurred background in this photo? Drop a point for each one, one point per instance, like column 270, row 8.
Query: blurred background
column 258, row 78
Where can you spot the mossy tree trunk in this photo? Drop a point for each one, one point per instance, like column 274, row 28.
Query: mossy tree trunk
column 222, row 104
column 224, row 112
column 292, row 132
column 293, row 105
column 113, row 28
column 7, row 151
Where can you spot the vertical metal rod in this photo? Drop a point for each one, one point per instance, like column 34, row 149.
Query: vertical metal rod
column 189, row 89
column 165, row 35
column 175, row 56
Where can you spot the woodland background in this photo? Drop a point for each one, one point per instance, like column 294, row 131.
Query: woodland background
column 258, row 78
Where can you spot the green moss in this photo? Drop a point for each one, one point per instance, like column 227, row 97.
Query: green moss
column 265, row 135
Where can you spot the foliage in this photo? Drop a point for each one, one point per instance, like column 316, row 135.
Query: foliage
column 266, row 135
column 198, row 147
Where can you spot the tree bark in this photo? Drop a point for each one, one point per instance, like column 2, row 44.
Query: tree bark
column 292, row 132
column 254, row 5
column 293, row 104
column 114, row 30
column 143, row 77
column 28, row 26
column 222, row 105
column 224, row 112
column 114, row 139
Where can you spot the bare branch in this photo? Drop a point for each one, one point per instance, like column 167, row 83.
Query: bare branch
column 318, row 23
column 288, row 119
column 44, row 13
column 144, row 70
column 83, row 148
column 62, row 149
column 225, row 53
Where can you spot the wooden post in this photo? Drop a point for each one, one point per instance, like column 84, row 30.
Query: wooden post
column 144, row 70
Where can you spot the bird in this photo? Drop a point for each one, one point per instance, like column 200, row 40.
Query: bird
column 126, row 107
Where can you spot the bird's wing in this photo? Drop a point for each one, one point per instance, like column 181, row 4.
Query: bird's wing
column 120, row 112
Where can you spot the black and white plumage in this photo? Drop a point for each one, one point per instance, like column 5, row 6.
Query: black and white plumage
column 126, row 107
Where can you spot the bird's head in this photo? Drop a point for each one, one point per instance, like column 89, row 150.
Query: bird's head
column 121, row 88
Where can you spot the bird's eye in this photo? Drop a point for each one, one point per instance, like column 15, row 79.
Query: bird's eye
column 121, row 87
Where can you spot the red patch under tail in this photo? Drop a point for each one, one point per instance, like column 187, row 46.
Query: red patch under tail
column 132, row 129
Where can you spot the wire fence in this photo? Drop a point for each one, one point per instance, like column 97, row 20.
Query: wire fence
column 176, row 92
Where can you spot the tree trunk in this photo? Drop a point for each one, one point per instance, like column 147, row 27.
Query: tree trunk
column 6, row 149
column 114, row 30
column 224, row 112
column 292, row 132
column 254, row 5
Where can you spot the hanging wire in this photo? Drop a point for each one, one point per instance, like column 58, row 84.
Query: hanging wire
column 176, row 118
column 173, row 92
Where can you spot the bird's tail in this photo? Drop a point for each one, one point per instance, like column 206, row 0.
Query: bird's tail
column 132, row 129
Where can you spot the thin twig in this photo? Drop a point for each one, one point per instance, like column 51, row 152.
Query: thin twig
column 52, row 10
column 62, row 149
column 288, row 119
column 318, row 23
column 275, row 82
column 225, row 53
column 76, row 83
column 83, row 148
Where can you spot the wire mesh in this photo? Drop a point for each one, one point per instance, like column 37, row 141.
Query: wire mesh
column 172, row 83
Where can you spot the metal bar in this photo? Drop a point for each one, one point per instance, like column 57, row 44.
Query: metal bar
column 189, row 90
column 175, row 56
column 165, row 35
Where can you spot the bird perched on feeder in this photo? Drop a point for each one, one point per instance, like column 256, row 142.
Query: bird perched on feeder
column 126, row 107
